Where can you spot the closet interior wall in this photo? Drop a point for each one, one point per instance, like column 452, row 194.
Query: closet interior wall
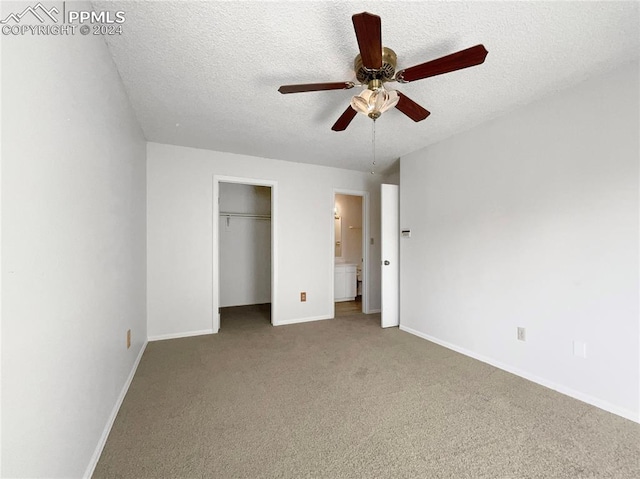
column 245, row 244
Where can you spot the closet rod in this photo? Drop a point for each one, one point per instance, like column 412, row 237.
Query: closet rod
column 245, row 215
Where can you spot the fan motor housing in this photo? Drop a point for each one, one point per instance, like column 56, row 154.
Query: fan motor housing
column 365, row 75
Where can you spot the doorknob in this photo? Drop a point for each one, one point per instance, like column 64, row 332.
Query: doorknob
column 386, row 262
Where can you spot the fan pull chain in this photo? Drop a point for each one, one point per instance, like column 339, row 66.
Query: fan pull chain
column 373, row 143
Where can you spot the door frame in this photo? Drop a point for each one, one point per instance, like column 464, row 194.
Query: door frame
column 217, row 179
column 365, row 246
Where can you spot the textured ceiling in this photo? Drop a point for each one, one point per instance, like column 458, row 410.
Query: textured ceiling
column 206, row 74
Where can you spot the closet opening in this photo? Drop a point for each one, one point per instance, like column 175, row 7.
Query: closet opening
column 244, row 255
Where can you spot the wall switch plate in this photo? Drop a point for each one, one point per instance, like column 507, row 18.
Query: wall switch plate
column 580, row 349
column 128, row 338
column 521, row 334
column 303, row 296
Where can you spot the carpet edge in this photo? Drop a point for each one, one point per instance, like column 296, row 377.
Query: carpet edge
column 593, row 401
column 93, row 462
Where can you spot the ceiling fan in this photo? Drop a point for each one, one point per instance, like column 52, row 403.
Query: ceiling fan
column 376, row 65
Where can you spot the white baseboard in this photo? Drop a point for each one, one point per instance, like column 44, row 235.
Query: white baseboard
column 301, row 320
column 114, row 412
column 188, row 334
column 599, row 403
column 374, row 311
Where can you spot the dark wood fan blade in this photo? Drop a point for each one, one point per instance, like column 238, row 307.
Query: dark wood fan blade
column 344, row 85
column 344, row 120
column 410, row 108
column 369, row 34
column 456, row 61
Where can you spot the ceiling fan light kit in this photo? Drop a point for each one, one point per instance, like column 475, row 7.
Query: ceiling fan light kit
column 374, row 100
column 376, row 65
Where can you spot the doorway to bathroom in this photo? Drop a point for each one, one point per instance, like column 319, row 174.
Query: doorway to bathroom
column 350, row 248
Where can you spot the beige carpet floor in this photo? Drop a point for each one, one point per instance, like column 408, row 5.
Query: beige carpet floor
column 344, row 398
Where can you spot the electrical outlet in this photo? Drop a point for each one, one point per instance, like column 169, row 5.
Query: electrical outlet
column 128, row 338
column 521, row 334
column 303, row 296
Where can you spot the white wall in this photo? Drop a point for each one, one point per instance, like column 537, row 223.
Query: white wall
column 73, row 251
column 180, row 238
column 532, row 220
column 350, row 212
column 392, row 175
column 245, row 245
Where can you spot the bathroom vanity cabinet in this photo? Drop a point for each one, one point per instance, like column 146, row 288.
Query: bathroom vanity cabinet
column 345, row 282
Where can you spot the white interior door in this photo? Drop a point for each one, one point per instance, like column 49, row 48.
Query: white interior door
column 389, row 198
